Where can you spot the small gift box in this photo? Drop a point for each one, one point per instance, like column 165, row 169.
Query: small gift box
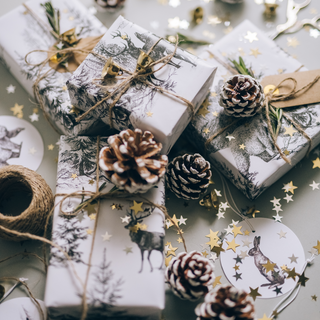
column 154, row 102
column 121, row 239
column 245, row 152
column 33, row 33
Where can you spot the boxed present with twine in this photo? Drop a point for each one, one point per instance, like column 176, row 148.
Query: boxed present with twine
column 245, row 152
column 134, row 79
column 114, row 263
column 33, row 32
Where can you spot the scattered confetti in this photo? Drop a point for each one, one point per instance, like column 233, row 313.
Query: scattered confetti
column 174, row 3
column 277, row 218
column 17, row 110
column 106, row 236
column 314, row 33
column 255, row 52
column 128, row 250
column 32, row 150
column 316, row 163
column 137, row 207
column 293, row 259
column 232, row 245
column 50, row 147
column 317, row 246
column 125, row 219
column 214, row 20
column 230, row 137
column 277, row 209
column 246, row 243
column 292, row 42
column 289, row 187
column 254, row 293
column 208, row 34
column 302, row 280
column 236, row 230
column 269, row 266
column 11, row 89
column 251, row 36
column 89, row 231
column 216, row 281
column 288, row 198
column 314, row 297
column 290, row 131
column 92, row 216
column 282, row 234
column 275, row 201
column 314, row 185
column 74, row 176
column 206, row 130
column 242, row 146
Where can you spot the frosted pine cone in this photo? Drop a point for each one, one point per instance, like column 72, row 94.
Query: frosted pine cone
column 188, row 176
column 110, row 5
column 241, row 96
column 190, row 275
column 133, row 161
column 226, row 302
column 232, row 1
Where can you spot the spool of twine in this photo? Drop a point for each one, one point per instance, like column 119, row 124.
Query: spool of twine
column 15, row 180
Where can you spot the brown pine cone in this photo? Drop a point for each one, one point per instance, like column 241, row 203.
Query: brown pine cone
column 241, row 96
column 133, row 161
column 188, row 176
column 226, row 302
column 190, row 275
column 110, row 4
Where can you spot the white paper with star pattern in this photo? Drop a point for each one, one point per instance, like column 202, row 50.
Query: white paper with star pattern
column 275, row 243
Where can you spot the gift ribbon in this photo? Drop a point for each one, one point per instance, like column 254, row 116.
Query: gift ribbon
column 141, row 75
column 269, row 98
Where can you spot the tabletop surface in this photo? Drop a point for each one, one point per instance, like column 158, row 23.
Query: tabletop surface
column 301, row 215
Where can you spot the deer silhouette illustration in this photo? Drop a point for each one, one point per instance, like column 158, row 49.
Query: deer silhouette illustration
column 146, row 241
column 276, row 276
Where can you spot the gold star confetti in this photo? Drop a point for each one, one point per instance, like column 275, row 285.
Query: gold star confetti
column 134, row 228
column 91, row 208
column 106, row 236
column 74, row 110
column 213, row 236
column 206, row 130
column 246, row 233
column 236, row 230
column 91, row 181
column 74, row 176
column 218, row 250
column 203, row 111
column 143, row 227
column 50, row 147
column 292, row 42
column 137, row 207
column 64, row 88
column 172, row 250
column 269, row 266
column 214, row 20
column 149, row 114
column 208, row 34
column 314, row 297
column 290, row 130
column 213, row 94
column 280, row 71
column 92, row 216
column 71, row 18
column 113, row 206
column 254, row 293
column 242, row 146
column 317, row 246
column 251, row 36
column 175, row 220
column 32, row 150
column 179, row 240
column 128, row 250
column 286, row 152
column 168, row 224
column 89, row 231
column 216, row 281
column 35, row 110
column 227, row 30
column 204, row 253
column 167, row 260
column 215, row 113
column 17, row 110
column 236, row 267
column 292, row 274
column 284, row 267
column 316, row 163
column 265, row 317
column 232, row 245
column 254, row 52
column 289, row 187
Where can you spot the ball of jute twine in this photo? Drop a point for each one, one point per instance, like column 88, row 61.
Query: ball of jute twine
column 15, row 179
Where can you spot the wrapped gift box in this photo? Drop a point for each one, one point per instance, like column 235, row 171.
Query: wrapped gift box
column 256, row 166
column 18, row 39
column 120, row 283
column 141, row 106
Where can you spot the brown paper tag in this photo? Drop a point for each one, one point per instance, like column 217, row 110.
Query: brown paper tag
column 312, row 95
column 86, row 44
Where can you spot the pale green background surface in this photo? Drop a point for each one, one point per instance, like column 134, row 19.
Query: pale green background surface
column 302, row 215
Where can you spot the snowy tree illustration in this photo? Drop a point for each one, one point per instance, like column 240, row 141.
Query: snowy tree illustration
column 68, row 235
column 105, row 291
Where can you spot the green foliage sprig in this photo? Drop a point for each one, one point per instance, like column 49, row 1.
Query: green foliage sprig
column 53, row 16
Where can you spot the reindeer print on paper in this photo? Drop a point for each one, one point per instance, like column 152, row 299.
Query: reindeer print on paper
column 146, row 241
column 275, row 277
column 9, row 149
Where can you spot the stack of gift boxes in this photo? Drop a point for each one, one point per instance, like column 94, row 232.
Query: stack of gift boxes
column 124, row 280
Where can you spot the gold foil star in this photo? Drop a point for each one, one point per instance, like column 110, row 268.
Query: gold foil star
column 286, row 152
column 292, row 274
column 242, row 146
column 74, row 110
column 214, row 20
column 314, row 297
column 206, row 130
column 74, row 176
column 213, row 239
column 216, row 281
column 91, row 208
column 246, row 233
column 92, row 216
column 265, row 317
column 17, row 110
column 128, row 250
column 143, row 227
column 134, row 228
column 35, row 110
column 203, row 111
column 232, row 245
column 204, row 253
column 254, row 52
column 213, row 94
column 218, row 250
column 113, row 206
column 289, row 187
column 290, row 130
column 137, row 207
column 179, row 240
column 269, row 266
column 171, row 251
column 254, row 293
column 167, row 260
column 317, row 246
column 175, row 220
column 91, row 181
column 236, row 230
column 227, row 30
column 149, row 114
column 280, row 71
column 292, row 42
column 50, row 147
column 215, row 113
column 89, row 231
column 64, row 88
column 251, row 36
column 316, row 163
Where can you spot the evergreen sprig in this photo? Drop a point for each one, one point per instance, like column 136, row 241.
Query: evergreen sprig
column 53, row 16
column 275, row 113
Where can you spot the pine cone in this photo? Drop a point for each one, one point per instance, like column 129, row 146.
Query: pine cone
column 133, row 161
column 189, row 275
column 226, row 302
column 241, row 96
column 188, row 176
column 110, row 4
column 232, row 1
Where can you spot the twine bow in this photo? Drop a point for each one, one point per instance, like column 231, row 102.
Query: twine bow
column 139, row 74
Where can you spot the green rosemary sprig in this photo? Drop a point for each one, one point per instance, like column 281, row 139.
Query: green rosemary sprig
column 53, row 16
column 186, row 40
column 275, row 113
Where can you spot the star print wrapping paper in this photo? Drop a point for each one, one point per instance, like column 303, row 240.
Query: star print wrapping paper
column 244, row 152
column 141, row 106
column 266, row 263
column 121, row 282
column 18, row 39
